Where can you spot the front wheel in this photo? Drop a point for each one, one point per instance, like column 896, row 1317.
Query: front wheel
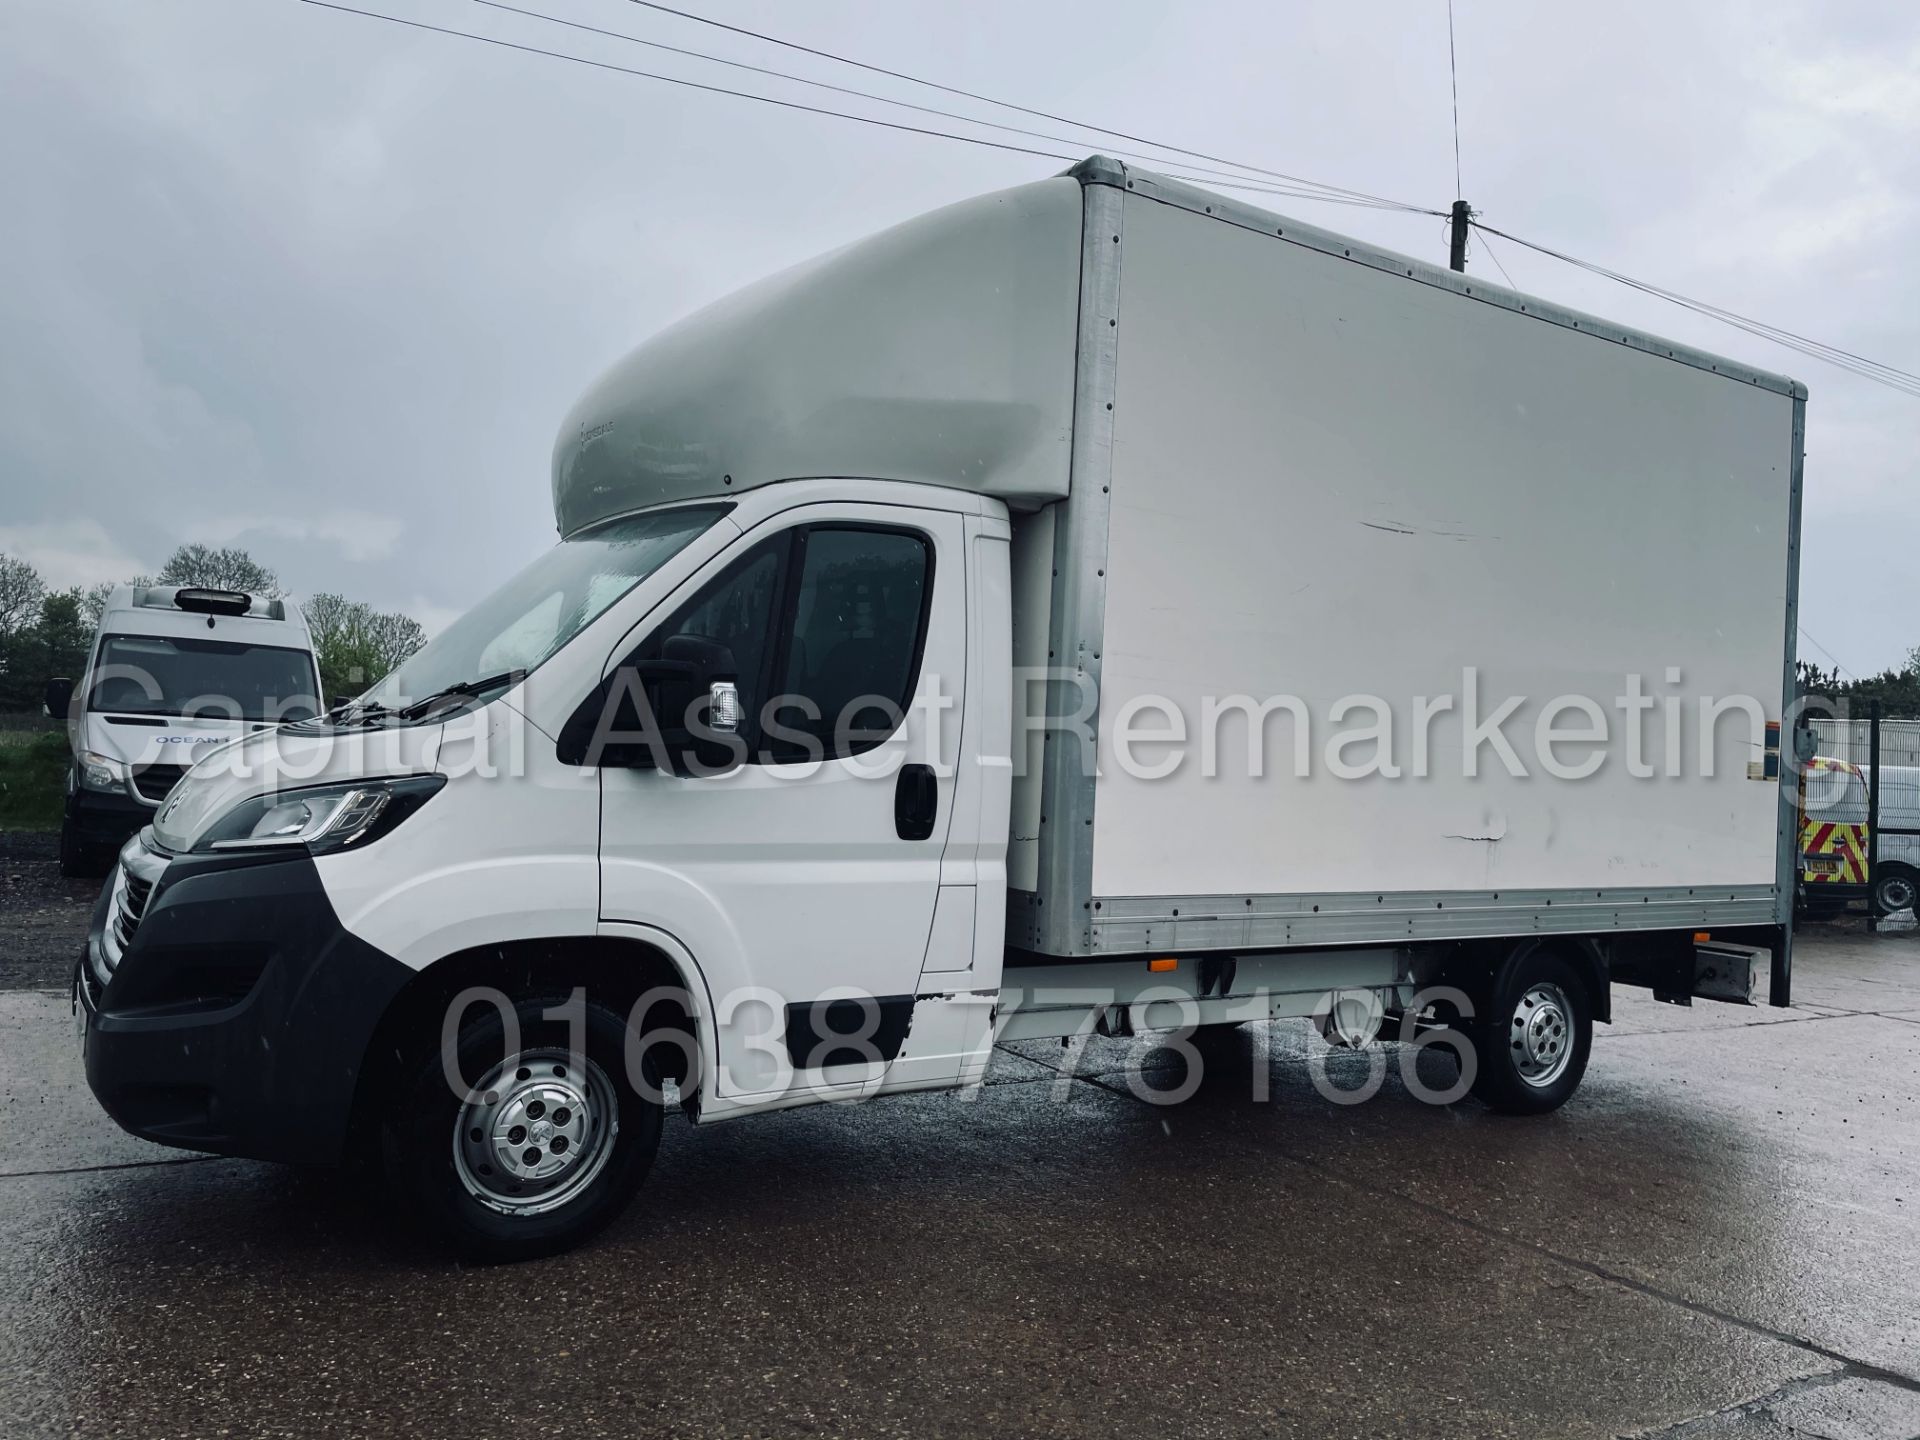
column 1894, row 890
column 1532, row 1038
column 541, row 1149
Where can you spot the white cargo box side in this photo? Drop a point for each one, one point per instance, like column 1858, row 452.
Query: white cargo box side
column 1328, row 472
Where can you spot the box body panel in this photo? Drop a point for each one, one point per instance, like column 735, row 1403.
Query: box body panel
column 1348, row 492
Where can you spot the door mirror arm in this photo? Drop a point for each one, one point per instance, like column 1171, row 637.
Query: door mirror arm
column 608, row 730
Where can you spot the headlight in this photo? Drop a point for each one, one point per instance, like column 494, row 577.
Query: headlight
column 323, row 818
column 101, row 772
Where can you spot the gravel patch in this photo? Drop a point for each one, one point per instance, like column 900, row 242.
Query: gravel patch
column 43, row 914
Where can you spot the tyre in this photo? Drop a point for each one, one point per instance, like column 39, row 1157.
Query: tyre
column 544, row 1149
column 1896, row 888
column 79, row 860
column 1533, row 1035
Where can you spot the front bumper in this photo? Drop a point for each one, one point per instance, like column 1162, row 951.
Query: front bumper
column 233, row 1012
column 105, row 820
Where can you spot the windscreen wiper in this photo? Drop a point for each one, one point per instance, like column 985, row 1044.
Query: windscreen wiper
column 357, row 711
column 464, row 688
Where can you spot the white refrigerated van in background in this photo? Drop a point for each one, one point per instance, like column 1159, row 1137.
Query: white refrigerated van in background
column 172, row 673
column 1896, row 878
column 798, row 769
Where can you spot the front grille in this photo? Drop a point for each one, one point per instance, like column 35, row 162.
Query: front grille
column 133, row 882
column 133, row 904
column 155, row 780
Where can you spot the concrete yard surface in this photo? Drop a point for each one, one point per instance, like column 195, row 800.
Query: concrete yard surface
column 1718, row 1237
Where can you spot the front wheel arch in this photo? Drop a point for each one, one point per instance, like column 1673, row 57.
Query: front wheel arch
column 614, row 970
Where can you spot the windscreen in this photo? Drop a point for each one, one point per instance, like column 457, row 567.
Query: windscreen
column 548, row 603
column 213, row 679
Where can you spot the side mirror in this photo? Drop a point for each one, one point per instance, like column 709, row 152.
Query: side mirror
column 688, row 696
column 59, row 696
column 705, row 660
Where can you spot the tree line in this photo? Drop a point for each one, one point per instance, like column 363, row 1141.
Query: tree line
column 46, row 632
column 1897, row 692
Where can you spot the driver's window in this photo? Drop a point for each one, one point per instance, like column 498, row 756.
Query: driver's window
column 735, row 609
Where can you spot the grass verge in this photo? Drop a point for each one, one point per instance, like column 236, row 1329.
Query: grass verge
column 33, row 782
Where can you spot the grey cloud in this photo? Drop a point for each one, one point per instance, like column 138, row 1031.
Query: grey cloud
column 269, row 264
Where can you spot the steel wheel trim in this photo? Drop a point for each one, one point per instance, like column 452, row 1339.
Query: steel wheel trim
column 1896, row 893
column 1540, row 1035
column 535, row 1132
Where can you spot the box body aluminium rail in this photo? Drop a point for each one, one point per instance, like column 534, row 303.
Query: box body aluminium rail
column 964, row 635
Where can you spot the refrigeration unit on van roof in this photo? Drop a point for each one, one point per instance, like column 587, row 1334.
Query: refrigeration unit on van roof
column 200, row 599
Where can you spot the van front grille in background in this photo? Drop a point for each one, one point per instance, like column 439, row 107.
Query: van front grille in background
column 155, row 780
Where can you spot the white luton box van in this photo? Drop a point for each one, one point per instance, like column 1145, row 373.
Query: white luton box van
column 1098, row 606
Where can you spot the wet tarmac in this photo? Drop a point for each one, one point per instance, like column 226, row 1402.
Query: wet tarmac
column 1719, row 1237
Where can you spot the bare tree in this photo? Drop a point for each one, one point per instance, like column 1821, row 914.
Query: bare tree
column 329, row 617
column 228, row 568
column 392, row 638
column 93, row 601
column 21, row 590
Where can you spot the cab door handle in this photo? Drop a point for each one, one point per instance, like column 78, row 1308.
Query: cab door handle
column 916, row 802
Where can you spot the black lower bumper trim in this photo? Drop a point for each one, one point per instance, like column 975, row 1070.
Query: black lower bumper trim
column 262, row 1065
column 104, row 822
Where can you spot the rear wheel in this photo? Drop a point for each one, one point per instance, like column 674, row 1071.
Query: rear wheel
column 1533, row 1035
column 542, row 1149
column 1896, row 888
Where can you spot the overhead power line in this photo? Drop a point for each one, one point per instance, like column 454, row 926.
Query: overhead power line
column 872, row 120
column 1891, row 376
column 675, row 80
column 1826, row 652
column 1904, row 381
column 1491, row 255
column 1236, row 179
column 1021, row 109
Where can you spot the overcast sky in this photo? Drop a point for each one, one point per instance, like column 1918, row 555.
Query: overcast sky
column 324, row 287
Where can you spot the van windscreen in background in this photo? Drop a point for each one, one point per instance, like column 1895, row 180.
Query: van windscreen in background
column 213, row 679
column 548, row 603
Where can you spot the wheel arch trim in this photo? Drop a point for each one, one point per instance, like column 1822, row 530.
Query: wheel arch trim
column 435, row 984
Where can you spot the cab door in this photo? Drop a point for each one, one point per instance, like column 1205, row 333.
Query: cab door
column 803, row 881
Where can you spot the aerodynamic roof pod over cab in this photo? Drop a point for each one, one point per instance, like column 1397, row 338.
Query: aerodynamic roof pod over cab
column 817, row 715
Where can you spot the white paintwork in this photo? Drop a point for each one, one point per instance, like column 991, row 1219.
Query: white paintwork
column 788, row 881
column 504, row 852
column 940, row 352
column 1330, row 481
